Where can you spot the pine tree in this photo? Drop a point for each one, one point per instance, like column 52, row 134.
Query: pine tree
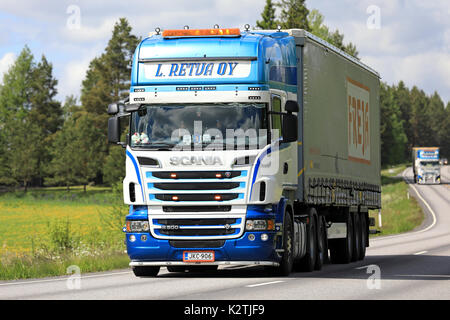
column 393, row 138
column 45, row 112
column 318, row 28
column 268, row 21
column 294, row 14
column 444, row 133
column 403, row 100
column 18, row 144
column 436, row 113
column 108, row 80
column 420, row 121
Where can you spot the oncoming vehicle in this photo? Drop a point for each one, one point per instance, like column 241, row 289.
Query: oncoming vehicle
column 426, row 165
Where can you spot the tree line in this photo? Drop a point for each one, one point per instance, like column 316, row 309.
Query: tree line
column 44, row 142
column 409, row 117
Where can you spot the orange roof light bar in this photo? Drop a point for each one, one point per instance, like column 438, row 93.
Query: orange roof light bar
column 228, row 32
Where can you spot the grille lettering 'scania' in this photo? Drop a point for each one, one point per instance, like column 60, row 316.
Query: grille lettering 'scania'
column 196, row 160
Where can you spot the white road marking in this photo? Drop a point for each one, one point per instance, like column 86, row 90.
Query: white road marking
column 424, row 275
column 433, row 214
column 62, row 279
column 363, row 267
column 419, row 253
column 263, row 284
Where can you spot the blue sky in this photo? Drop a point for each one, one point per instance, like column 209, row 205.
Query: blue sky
column 405, row 40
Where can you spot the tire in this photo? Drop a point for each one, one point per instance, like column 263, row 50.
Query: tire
column 320, row 255
column 341, row 249
column 356, row 237
column 326, row 258
column 364, row 239
column 287, row 260
column 308, row 262
column 146, row 271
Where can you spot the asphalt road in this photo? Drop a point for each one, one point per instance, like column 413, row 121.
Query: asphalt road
column 414, row 265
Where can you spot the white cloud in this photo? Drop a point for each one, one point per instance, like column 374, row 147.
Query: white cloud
column 412, row 45
column 5, row 63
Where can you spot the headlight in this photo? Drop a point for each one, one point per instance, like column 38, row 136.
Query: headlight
column 138, row 226
column 260, row 224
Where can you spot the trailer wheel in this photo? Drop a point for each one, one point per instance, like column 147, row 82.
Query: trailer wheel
column 321, row 238
column 342, row 249
column 364, row 233
column 325, row 241
column 146, row 271
column 357, row 237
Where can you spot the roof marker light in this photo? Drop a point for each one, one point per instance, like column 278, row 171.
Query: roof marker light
column 219, row 32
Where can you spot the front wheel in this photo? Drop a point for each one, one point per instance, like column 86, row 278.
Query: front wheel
column 287, row 260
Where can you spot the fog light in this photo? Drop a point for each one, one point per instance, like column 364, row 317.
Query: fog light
column 144, row 237
column 251, row 237
column 264, row 237
column 132, row 238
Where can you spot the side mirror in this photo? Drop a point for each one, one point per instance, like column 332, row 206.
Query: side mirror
column 115, row 108
column 114, row 130
column 291, row 106
column 290, row 128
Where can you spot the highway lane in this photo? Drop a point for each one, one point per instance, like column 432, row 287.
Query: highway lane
column 414, row 265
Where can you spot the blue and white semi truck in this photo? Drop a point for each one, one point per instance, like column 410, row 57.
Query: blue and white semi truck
column 247, row 147
column 426, row 166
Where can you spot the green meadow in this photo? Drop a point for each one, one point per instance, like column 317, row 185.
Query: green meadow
column 43, row 231
column 46, row 230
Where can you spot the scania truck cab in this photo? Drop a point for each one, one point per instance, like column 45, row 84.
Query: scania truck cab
column 216, row 172
column 426, row 166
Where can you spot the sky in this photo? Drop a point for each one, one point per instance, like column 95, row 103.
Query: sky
column 405, row 40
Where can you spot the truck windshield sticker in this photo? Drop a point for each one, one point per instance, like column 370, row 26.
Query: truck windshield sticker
column 358, row 122
column 197, row 70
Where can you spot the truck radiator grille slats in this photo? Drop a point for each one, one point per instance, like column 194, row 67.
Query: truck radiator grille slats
column 208, row 187
column 197, row 197
column 196, row 208
column 197, row 232
column 196, row 175
column 196, row 222
column 196, row 244
column 196, row 186
column 196, row 229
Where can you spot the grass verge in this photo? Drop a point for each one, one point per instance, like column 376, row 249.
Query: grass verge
column 44, row 231
column 400, row 212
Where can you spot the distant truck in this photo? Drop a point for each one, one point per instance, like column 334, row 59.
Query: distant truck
column 248, row 147
column 426, row 165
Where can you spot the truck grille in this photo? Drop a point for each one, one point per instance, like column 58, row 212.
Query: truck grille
column 197, row 232
column 196, row 208
column 204, row 186
column 196, row 244
column 175, row 228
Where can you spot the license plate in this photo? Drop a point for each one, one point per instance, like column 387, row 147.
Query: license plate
column 198, row 256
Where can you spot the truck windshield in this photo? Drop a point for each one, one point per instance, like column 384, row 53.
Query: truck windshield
column 429, row 163
column 218, row 126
